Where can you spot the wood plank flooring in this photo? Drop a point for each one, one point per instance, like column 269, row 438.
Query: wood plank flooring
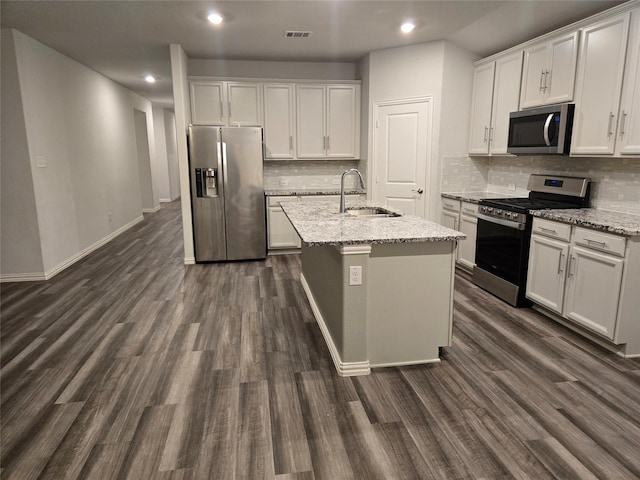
column 130, row 365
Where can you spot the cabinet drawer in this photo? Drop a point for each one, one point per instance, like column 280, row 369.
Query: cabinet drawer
column 320, row 198
column 275, row 201
column 450, row 204
column 469, row 209
column 561, row 231
column 604, row 242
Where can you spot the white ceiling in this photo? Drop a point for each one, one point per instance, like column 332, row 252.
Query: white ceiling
column 123, row 40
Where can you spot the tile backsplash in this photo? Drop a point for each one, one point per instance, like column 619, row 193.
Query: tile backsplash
column 616, row 181
column 309, row 174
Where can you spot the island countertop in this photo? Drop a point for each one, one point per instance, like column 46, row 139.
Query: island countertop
column 319, row 223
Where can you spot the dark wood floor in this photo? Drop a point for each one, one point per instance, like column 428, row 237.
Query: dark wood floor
column 131, row 365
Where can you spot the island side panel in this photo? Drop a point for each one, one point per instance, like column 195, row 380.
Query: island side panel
column 410, row 298
column 343, row 307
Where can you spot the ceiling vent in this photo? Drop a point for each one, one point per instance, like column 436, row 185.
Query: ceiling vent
column 296, row 34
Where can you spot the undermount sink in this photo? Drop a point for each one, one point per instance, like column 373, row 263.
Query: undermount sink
column 371, row 212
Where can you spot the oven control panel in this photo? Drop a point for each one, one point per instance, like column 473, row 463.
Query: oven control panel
column 506, row 214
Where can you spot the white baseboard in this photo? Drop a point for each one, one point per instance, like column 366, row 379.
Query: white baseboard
column 39, row 276
column 345, row 369
column 151, row 210
column 189, row 260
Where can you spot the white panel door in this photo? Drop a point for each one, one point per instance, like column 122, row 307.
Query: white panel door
column 599, row 86
column 278, row 121
column 207, row 100
column 245, row 104
column 311, row 121
column 560, row 79
column 506, row 96
column 401, row 153
column 481, row 109
column 547, row 272
column 628, row 142
column 342, row 121
column 593, row 290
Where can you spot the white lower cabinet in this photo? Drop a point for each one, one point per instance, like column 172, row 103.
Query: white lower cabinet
column 462, row 216
column 593, row 289
column 468, row 226
column 578, row 274
column 280, row 232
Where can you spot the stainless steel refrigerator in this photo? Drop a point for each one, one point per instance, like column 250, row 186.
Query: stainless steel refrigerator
column 227, row 194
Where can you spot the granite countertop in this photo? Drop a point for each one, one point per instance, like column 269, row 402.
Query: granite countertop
column 603, row 220
column 319, row 223
column 475, row 197
column 292, row 191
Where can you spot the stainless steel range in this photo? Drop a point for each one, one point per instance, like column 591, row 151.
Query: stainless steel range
column 504, row 232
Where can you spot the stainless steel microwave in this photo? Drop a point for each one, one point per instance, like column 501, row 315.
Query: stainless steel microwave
column 541, row 131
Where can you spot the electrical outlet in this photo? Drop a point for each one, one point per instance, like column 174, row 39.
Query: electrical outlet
column 355, row 275
column 335, row 181
column 512, row 187
column 284, row 182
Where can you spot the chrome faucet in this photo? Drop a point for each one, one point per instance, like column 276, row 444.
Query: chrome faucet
column 346, row 172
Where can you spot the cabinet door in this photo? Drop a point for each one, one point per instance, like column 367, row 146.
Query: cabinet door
column 481, row 109
column 559, row 80
column 310, row 121
column 207, row 99
column 600, row 69
column 547, row 272
column 281, row 233
column 628, row 142
column 536, row 60
column 593, row 290
column 342, row 121
column 245, row 104
column 278, row 121
column 467, row 247
column 506, row 95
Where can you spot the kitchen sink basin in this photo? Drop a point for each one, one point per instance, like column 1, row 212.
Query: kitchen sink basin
column 371, row 212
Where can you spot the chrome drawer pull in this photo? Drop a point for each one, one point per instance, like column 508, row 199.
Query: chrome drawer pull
column 549, row 230
column 595, row 242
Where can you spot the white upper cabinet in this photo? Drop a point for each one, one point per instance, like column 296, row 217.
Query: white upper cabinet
column 225, row 103
column 548, row 74
column 279, row 121
column 628, row 140
column 599, row 84
column 327, row 121
column 496, row 92
column 207, row 100
column 244, row 104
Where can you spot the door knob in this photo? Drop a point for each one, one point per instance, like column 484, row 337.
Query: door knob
column 418, row 190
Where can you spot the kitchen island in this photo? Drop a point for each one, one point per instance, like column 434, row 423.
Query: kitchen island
column 380, row 287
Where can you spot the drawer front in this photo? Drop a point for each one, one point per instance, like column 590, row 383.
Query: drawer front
column 561, row 231
column 450, row 204
column 275, row 201
column 320, row 198
column 469, row 209
column 601, row 241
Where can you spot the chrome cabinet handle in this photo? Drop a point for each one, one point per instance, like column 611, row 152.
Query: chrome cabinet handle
column 595, row 242
column 419, row 190
column 571, row 262
column 560, row 263
column 542, row 80
column 290, row 142
column 550, row 230
column 546, row 79
column 623, row 120
column 610, row 127
column 328, row 143
column 229, row 103
column 486, row 130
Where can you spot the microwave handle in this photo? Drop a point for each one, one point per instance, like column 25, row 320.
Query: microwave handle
column 546, row 129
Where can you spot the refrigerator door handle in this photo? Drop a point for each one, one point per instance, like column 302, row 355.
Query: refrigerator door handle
column 224, row 163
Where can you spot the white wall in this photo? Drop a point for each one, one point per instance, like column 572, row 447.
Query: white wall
column 144, row 161
column 81, row 124
column 162, row 172
column 172, row 154
column 20, row 250
column 264, row 69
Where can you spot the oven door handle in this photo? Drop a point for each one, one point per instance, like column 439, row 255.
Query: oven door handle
column 503, row 222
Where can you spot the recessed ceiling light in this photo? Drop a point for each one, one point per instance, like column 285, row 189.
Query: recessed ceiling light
column 407, row 27
column 150, row 79
column 215, row 18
